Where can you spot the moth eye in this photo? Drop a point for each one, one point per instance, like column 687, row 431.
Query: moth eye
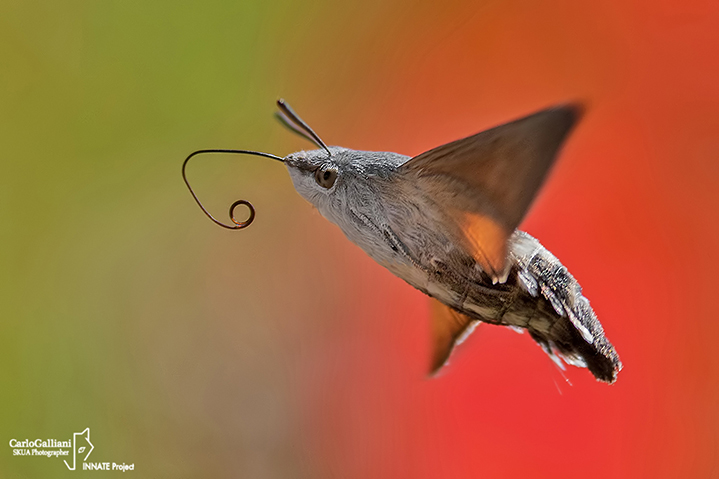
column 325, row 177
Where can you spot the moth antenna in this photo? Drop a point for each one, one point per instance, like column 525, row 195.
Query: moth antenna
column 238, row 225
column 294, row 122
column 290, row 125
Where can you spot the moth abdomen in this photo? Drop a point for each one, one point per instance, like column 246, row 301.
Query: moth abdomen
column 563, row 322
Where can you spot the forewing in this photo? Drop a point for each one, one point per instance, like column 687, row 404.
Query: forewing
column 485, row 183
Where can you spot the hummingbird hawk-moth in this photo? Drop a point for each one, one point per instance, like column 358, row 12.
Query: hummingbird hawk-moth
column 446, row 221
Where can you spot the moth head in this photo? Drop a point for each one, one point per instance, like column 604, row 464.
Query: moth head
column 326, row 178
column 315, row 173
column 340, row 172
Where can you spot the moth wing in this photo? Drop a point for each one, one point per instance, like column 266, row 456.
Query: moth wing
column 485, row 183
column 449, row 328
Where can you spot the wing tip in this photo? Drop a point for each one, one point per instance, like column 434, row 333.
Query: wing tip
column 575, row 108
column 567, row 114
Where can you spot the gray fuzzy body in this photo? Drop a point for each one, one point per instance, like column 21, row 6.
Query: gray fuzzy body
column 403, row 230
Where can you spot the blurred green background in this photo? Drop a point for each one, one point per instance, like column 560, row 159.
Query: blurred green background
column 108, row 302
column 282, row 350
